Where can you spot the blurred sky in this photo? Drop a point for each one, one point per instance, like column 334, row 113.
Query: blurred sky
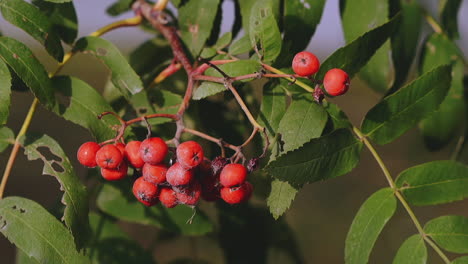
column 328, row 37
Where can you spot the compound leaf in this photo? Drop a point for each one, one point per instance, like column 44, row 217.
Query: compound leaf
column 449, row 232
column 397, row 113
column 57, row 164
column 367, row 225
column 37, row 233
column 30, row 19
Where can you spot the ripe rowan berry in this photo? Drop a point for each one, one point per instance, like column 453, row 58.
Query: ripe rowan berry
column 233, row 174
column 145, row 192
column 154, row 173
column 115, row 174
column 177, row 175
column 238, row 194
column 121, row 147
column 109, row 157
column 153, row 150
column 189, row 154
column 87, row 154
column 305, row 63
column 189, row 195
column 336, row 82
column 132, row 153
column 168, row 197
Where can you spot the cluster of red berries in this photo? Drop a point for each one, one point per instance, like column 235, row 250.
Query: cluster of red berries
column 190, row 177
column 335, row 82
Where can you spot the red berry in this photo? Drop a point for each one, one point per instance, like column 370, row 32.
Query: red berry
column 233, row 174
column 190, row 194
column 121, row 147
column 115, row 174
column 109, row 157
column 145, row 192
column 153, row 150
column 168, row 197
column 177, row 175
column 305, row 64
column 87, row 154
column 238, row 194
column 132, row 153
column 154, row 173
column 189, row 154
column 336, row 82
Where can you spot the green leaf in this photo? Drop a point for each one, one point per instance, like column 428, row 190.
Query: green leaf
column 119, row 7
column 413, row 250
column 5, row 92
column 150, row 56
column 223, row 41
column 196, row 21
column 442, row 126
column 397, row 113
column 281, row 196
column 300, row 20
column 449, row 232
column 352, row 57
column 120, row 203
column 111, row 245
column 57, row 164
column 449, row 17
column 6, row 138
column 36, row 232
column 273, row 106
column 367, row 225
column 323, row 158
column 156, row 101
column 63, row 18
column 22, row 258
column 303, row 121
column 58, row 1
column 21, row 59
column 122, row 75
column 30, row 19
column 461, row 260
column 240, row 46
column 263, row 30
column 81, row 104
column 434, row 183
column 404, row 41
column 377, row 72
column 337, row 116
column 233, row 69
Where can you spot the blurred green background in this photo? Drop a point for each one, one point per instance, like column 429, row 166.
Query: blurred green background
column 322, row 212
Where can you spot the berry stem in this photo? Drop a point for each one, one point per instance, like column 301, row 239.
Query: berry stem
column 230, row 87
column 399, row 196
column 299, row 83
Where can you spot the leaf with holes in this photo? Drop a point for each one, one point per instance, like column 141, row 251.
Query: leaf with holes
column 36, row 232
column 30, row 19
column 322, row 158
column 63, row 18
column 5, row 92
column 281, row 196
column 117, row 201
column 367, row 225
column 413, row 250
column 122, row 75
column 81, row 104
column 6, row 138
column 196, row 21
column 434, row 182
column 57, row 164
column 399, row 112
column 449, row 17
column 110, row 244
column 21, row 59
column 441, row 127
column 352, row 57
column 263, row 30
column 449, row 232
column 303, row 121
